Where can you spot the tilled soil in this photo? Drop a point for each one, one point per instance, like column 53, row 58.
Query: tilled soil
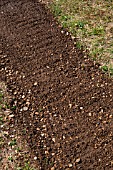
column 63, row 101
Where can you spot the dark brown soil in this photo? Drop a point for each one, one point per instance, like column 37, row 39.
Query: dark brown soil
column 63, row 101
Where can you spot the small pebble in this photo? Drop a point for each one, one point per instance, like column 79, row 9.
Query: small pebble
column 112, row 162
column 23, row 96
column 70, row 165
column 78, row 160
column 67, row 33
column 11, row 116
column 47, row 66
column 15, row 92
column 70, row 105
column 28, row 103
column 42, row 134
column 64, row 137
column 12, row 125
column 46, row 152
column 35, row 158
column 36, row 113
column 6, row 133
column 35, row 84
column 102, row 111
column 53, row 139
column 25, row 108
column 110, row 116
column 29, row 91
column 52, row 168
column 72, row 37
column 98, row 123
column 90, row 114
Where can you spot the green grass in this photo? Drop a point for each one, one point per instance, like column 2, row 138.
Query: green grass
column 26, row 167
column 97, row 31
column 91, row 22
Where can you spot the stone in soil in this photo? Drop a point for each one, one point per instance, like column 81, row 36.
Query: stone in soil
column 69, row 87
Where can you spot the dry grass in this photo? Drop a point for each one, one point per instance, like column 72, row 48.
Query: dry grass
column 92, row 23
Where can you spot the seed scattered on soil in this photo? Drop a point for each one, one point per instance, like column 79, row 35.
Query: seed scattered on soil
column 70, row 86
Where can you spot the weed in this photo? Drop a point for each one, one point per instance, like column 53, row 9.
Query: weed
column 0, row 158
column 78, row 45
column 64, row 18
column 18, row 149
column 111, row 51
column 1, row 120
column 18, row 168
column 48, row 162
column 13, row 142
column 1, row 141
column 80, row 24
column 105, row 68
column 110, row 68
column 7, row 106
column 12, row 151
column 24, row 131
column 26, row 167
column 13, row 108
column 111, row 71
column 10, row 158
column 40, row 110
column 1, row 96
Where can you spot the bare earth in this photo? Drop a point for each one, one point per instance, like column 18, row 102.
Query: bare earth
column 63, row 101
